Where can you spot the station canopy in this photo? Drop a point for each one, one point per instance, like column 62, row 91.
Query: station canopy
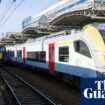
column 79, row 18
column 33, row 32
column 63, row 16
column 13, row 38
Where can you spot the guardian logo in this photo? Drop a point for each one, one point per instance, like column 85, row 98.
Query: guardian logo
column 92, row 91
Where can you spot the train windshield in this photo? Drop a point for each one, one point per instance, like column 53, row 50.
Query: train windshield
column 102, row 32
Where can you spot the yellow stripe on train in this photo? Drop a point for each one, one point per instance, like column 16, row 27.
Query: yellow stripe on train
column 1, row 56
column 63, row 43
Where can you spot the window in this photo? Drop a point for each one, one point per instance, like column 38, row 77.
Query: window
column 43, row 56
column 19, row 53
column 82, row 48
column 64, row 54
column 37, row 56
column 11, row 53
column 102, row 32
column 32, row 56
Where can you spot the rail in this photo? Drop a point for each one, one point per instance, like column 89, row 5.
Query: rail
column 24, row 93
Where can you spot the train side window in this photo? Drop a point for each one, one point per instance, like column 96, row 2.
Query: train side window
column 36, row 56
column 11, row 53
column 31, row 55
column 19, row 53
column 43, row 56
column 64, row 54
column 82, row 48
column 39, row 56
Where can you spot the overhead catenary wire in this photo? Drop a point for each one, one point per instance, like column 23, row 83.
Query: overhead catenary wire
column 11, row 13
column 6, row 10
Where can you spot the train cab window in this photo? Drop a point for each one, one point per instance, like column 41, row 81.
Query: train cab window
column 102, row 32
column 64, row 54
column 82, row 48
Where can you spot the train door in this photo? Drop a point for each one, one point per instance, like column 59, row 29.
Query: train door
column 51, row 58
column 24, row 56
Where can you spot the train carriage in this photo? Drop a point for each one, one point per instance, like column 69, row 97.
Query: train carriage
column 80, row 53
column 1, row 56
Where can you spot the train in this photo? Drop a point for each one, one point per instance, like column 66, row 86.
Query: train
column 78, row 52
column 2, row 54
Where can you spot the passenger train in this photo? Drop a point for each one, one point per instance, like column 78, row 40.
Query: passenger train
column 77, row 52
column 2, row 55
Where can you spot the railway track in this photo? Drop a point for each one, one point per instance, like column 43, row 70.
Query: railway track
column 23, row 92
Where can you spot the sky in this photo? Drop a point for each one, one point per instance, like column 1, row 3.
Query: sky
column 27, row 8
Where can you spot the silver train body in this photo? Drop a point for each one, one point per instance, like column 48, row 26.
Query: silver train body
column 80, row 53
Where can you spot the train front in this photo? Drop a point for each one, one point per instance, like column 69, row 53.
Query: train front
column 95, row 37
column 2, row 54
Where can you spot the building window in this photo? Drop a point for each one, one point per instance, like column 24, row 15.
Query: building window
column 82, row 48
column 19, row 53
column 64, row 54
column 37, row 56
